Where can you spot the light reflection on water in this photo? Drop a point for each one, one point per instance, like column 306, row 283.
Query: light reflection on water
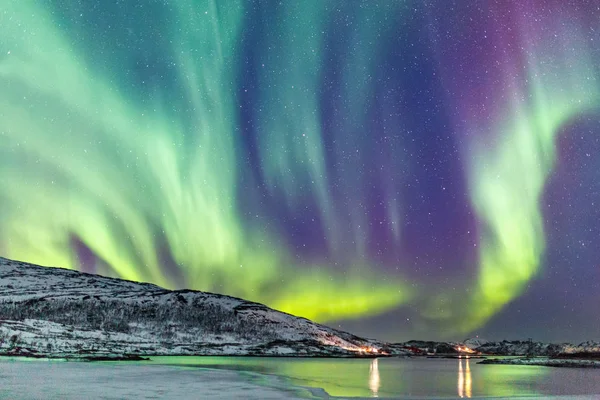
column 374, row 380
column 396, row 377
column 465, row 384
column 468, row 385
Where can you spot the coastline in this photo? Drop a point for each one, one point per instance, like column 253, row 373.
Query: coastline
column 481, row 359
column 131, row 380
column 544, row 362
column 148, row 357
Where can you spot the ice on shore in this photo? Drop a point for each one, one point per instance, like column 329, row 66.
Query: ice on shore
column 55, row 380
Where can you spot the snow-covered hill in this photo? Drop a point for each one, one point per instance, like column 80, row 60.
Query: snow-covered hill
column 521, row 348
column 588, row 349
column 482, row 347
column 63, row 313
column 421, row 347
column 473, row 343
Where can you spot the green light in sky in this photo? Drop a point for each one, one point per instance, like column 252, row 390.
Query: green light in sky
column 82, row 159
column 508, row 177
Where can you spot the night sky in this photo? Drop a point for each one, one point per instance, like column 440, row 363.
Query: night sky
column 400, row 169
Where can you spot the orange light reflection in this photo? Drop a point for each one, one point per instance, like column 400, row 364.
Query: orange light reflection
column 374, row 382
column 464, row 385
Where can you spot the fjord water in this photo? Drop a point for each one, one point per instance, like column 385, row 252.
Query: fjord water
column 283, row 378
column 423, row 378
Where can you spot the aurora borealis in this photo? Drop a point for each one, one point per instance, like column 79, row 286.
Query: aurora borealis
column 396, row 168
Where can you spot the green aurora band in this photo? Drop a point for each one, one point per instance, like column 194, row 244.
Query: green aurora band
column 79, row 159
column 508, row 181
column 507, row 178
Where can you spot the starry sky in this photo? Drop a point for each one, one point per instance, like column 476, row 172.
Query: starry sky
column 400, row 169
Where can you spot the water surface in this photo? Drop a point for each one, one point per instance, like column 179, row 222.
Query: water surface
column 283, row 378
column 395, row 377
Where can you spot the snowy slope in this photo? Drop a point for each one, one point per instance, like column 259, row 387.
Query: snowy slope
column 62, row 313
column 588, row 349
column 473, row 343
column 585, row 347
column 520, row 348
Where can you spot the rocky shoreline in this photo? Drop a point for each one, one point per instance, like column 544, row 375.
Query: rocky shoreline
column 544, row 362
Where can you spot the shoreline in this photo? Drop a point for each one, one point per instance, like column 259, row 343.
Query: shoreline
column 131, row 378
column 544, row 362
column 482, row 359
column 148, row 357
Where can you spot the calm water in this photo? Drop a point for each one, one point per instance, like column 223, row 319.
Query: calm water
column 281, row 378
column 392, row 377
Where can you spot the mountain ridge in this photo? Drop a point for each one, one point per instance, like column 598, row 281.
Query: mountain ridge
column 48, row 311
column 57, row 312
